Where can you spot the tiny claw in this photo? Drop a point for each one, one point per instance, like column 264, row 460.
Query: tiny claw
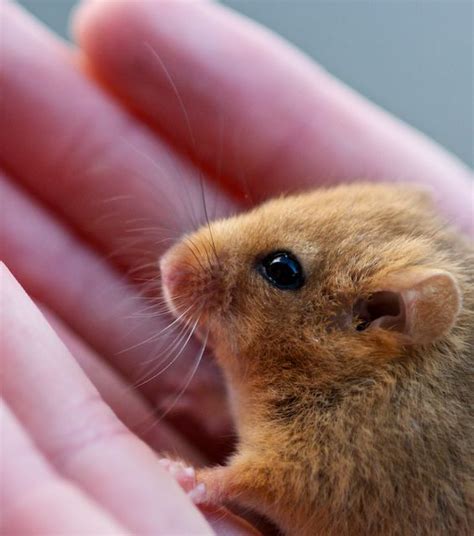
column 165, row 463
column 198, row 494
column 185, row 475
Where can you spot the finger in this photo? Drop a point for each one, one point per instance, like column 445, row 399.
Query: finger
column 127, row 403
column 117, row 185
column 108, row 313
column 278, row 120
column 34, row 499
column 99, row 167
column 78, row 433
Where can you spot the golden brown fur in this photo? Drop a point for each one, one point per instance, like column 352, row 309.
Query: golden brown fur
column 340, row 431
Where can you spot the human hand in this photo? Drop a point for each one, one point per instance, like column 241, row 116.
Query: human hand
column 91, row 193
column 261, row 118
column 69, row 465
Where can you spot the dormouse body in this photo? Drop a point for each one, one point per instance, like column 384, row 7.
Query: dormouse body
column 343, row 320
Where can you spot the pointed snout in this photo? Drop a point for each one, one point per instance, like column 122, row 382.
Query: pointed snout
column 191, row 278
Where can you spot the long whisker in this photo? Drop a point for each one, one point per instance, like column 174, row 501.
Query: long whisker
column 171, row 345
column 194, row 249
column 165, row 352
column 191, row 137
column 171, row 200
column 183, row 111
column 189, row 380
column 175, row 358
column 157, row 334
column 206, row 253
column 151, row 417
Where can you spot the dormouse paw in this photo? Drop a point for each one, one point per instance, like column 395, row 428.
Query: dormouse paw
column 185, row 475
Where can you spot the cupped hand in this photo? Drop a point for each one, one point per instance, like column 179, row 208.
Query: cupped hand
column 69, row 465
column 109, row 151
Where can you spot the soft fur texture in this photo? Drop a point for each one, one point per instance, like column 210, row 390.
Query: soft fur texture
column 340, row 431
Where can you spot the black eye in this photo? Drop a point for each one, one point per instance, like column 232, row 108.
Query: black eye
column 282, row 270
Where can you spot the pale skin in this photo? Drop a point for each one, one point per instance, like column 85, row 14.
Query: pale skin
column 68, row 149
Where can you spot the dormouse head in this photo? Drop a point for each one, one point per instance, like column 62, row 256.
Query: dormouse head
column 333, row 282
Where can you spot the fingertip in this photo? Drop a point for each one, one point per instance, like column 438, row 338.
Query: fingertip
column 87, row 15
column 84, row 13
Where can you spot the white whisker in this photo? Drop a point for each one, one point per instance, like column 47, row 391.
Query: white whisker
column 156, row 335
column 188, row 381
column 175, row 358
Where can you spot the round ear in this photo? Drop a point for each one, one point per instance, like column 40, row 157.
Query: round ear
column 421, row 304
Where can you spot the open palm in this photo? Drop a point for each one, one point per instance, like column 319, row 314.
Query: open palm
column 168, row 112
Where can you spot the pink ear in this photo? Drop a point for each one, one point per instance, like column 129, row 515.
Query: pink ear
column 421, row 304
column 432, row 301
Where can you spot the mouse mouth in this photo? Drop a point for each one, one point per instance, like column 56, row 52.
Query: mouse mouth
column 191, row 283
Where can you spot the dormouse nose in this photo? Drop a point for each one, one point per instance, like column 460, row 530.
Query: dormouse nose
column 192, row 278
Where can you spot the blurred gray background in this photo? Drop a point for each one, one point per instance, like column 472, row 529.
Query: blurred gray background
column 412, row 57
